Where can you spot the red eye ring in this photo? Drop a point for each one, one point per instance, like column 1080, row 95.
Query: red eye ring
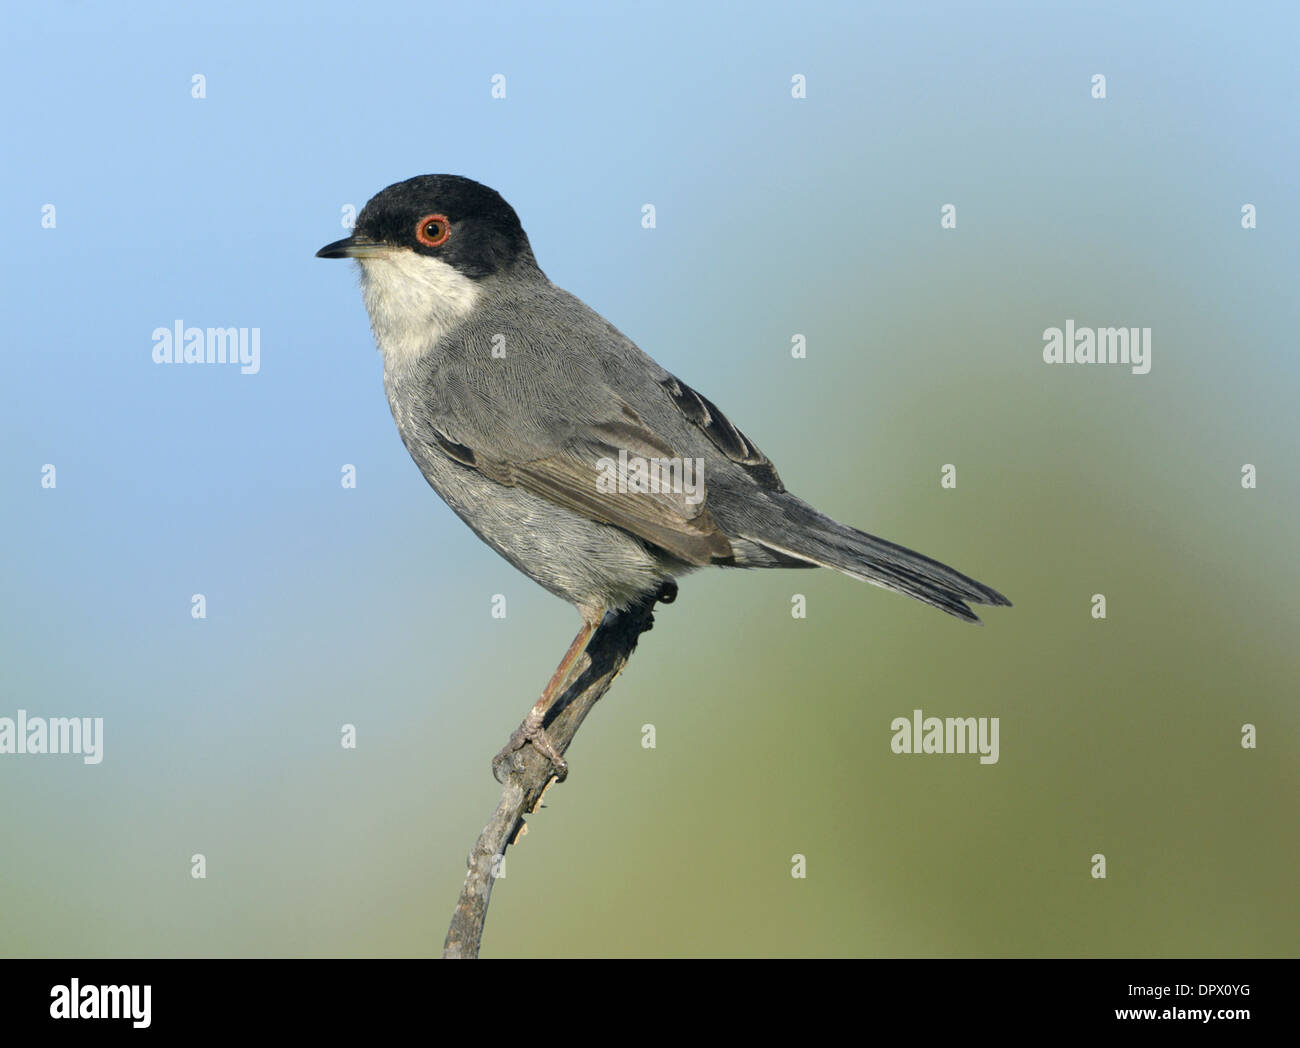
column 441, row 230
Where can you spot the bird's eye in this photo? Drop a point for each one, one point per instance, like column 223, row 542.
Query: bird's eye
column 433, row 230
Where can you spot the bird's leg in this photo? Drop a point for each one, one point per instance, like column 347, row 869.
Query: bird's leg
column 531, row 731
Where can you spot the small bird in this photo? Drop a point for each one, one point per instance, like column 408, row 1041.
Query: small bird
column 564, row 447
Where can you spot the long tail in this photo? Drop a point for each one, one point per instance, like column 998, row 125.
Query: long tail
column 806, row 535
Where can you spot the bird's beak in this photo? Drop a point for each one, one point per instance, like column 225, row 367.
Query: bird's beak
column 355, row 246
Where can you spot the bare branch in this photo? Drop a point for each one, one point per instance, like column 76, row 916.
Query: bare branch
column 527, row 774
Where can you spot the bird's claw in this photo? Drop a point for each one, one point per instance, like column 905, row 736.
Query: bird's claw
column 529, row 734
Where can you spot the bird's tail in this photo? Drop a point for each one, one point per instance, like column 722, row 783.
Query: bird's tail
column 806, row 535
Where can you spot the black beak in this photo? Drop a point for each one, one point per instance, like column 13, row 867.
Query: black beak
column 355, row 246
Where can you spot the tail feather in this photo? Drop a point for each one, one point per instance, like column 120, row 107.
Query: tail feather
column 814, row 537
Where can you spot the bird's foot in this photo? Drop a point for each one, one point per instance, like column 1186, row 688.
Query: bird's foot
column 530, row 733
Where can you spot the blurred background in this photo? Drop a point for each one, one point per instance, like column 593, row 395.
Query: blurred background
column 776, row 216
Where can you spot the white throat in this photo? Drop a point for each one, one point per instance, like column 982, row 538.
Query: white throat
column 413, row 300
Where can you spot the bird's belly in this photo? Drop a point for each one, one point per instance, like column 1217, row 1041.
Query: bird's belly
column 596, row 566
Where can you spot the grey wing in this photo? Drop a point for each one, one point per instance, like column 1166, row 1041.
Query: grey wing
column 704, row 414
column 552, row 417
column 578, row 471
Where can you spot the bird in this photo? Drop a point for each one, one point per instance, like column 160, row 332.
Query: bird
column 567, row 449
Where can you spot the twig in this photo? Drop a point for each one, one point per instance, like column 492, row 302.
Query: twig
column 527, row 774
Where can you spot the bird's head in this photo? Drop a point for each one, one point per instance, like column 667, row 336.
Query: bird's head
column 427, row 247
column 446, row 219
